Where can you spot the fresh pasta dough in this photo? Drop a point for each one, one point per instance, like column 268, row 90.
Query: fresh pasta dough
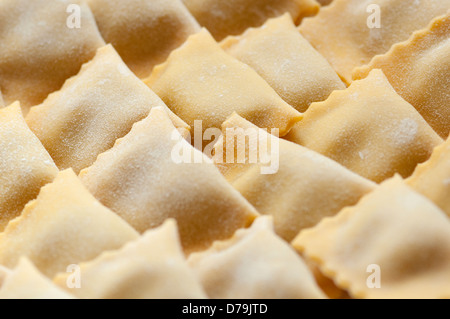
column 65, row 225
column 26, row 282
column 144, row 179
column 306, row 188
column 254, row 264
column 432, row 178
column 34, row 64
column 152, row 267
column 395, row 229
column 419, row 69
column 282, row 57
column 92, row 110
column 25, row 165
column 326, row 284
column 369, row 129
column 143, row 32
column 233, row 17
column 347, row 34
column 200, row 81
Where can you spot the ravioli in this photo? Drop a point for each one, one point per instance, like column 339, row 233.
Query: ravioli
column 152, row 267
column 394, row 229
column 298, row 149
column 419, row 69
column 347, row 35
column 254, row 264
column 65, row 225
column 200, row 81
column 432, row 178
column 233, row 17
column 306, row 187
column 26, row 282
column 282, row 57
column 92, row 110
column 369, row 129
column 25, row 165
column 143, row 32
column 33, row 63
column 144, row 179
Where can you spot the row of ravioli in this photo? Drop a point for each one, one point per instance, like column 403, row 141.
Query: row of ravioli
column 138, row 180
column 131, row 247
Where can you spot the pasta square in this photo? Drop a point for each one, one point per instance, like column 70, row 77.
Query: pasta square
column 143, row 32
column 282, row 57
column 142, row 180
column 418, row 69
column 200, row 81
column 306, row 187
column 26, row 282
column 254, row 264
column 369, row 129
column 349, row 33
column 92, row 110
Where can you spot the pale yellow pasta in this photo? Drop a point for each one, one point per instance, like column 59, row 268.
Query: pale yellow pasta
column 92, row 110
column 3, row 273
column 224, row 149
column 65, row 225
column 369, row 129
column 419, row 70
column 143, row 32
column 254, row 264
column 394, row 244
column 25, row 165
column 42, row 46
column 26, row 282
column 349, row 33
column 282, row 57
column 305, row 188
column 233, row 17
column 200, row 81
column 142, row 179
column 432, row 178
column 152, row 267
